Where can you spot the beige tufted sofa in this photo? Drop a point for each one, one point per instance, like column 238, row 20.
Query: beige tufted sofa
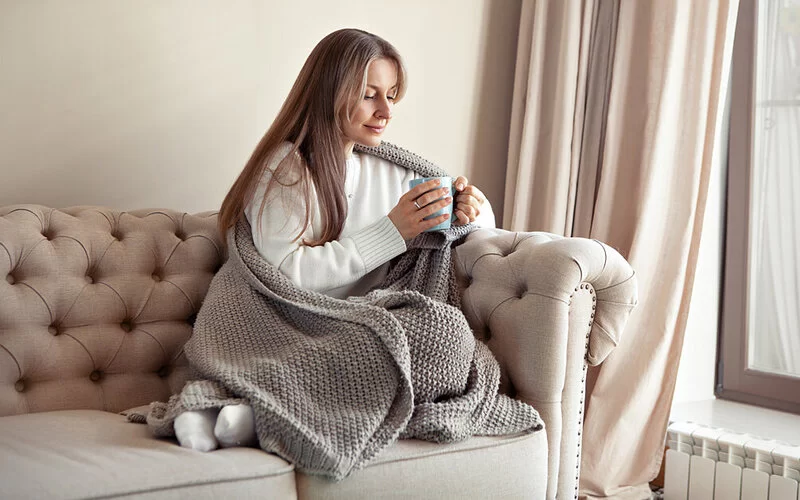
column 96, row 304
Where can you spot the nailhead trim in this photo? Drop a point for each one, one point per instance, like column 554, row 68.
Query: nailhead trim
column 583, row 395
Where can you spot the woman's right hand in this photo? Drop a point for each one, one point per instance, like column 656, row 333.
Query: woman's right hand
column 409, row 218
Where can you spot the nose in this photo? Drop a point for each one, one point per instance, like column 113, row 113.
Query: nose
column 384, row 110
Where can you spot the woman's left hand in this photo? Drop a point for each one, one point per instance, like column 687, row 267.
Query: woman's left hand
column 468, row 200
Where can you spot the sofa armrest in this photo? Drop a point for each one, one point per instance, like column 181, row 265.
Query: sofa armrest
column 547, row 306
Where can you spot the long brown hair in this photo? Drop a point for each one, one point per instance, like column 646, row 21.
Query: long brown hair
column 327, row 90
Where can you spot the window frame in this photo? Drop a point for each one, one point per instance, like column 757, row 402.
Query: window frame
column 735, row 380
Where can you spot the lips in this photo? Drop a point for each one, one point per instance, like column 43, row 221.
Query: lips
column 376, row 130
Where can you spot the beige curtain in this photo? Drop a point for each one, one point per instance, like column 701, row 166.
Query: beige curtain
column 617, row 104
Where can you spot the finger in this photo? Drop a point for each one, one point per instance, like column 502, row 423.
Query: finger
column 435, row 207
column 468, row 210
column 476, row 193
column 427, row 224
column 462, row 217
column 468, row 199
column 432, row 196
column 419, row 189
column 461, row 183
column 469, row 207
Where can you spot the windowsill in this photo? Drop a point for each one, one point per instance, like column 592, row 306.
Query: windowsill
column 740, row 418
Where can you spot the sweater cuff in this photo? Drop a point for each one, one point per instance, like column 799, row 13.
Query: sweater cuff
column 378, row 243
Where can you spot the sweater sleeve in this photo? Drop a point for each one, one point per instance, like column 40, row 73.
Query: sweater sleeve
column 319, row 268
column 486, row 218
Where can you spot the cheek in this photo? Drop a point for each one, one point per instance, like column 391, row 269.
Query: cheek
column 362, row 113
column 354, row 126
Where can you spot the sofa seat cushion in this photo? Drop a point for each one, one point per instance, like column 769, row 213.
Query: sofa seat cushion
column 89, row 454
column 480, row 467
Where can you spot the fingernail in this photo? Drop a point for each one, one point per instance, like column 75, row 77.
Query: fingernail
column 459, row 186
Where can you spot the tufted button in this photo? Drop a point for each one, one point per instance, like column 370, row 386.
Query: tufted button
column 10, row 279
column 116, row 234
column 163, row 371
column 180, row 235
column 89, row 280
column 96, row 375
column 53, row 330
column 19, row 386
column 156, row 277
column 48, row 234
column 126, row 326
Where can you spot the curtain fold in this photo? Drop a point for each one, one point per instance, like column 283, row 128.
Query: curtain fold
column 546, row 87
column 592, row 126
column 617, row 105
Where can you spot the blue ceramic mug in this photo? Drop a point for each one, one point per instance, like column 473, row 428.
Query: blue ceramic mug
column 446, row 182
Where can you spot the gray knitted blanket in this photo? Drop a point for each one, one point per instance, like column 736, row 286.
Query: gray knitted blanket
column 333, row 382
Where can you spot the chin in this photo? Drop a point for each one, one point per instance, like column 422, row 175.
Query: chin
column 370, row 142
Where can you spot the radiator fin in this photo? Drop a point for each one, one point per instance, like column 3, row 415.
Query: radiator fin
column 704, row 463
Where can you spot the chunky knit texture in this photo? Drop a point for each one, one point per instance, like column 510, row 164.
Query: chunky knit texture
column 334, row 382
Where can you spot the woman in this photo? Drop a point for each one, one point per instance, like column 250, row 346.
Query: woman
column 326, row 216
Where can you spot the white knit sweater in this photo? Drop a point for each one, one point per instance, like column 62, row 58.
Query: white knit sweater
column 359, row 259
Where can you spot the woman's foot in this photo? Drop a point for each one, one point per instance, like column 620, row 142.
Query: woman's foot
column 236, row 426
column 195, row 429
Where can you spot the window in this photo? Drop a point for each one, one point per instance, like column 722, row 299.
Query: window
column 760, row 323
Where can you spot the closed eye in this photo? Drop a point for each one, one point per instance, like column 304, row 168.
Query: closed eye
column 388, row 97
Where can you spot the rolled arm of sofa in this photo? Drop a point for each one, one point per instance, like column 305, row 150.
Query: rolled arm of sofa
column 547, row 306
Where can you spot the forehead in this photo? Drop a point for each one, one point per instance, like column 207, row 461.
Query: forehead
column 382, row 73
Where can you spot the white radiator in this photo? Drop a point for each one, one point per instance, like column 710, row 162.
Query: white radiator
column 703, row 463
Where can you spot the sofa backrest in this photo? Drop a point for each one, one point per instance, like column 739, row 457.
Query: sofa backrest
column 96, row 304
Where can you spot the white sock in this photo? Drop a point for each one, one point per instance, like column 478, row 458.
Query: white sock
column 195, row 429
column 236, row 426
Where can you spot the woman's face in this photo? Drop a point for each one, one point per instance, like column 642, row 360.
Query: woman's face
column 374, row 110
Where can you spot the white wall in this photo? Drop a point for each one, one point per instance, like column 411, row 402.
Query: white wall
column 697, row 369
column 159, row 103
